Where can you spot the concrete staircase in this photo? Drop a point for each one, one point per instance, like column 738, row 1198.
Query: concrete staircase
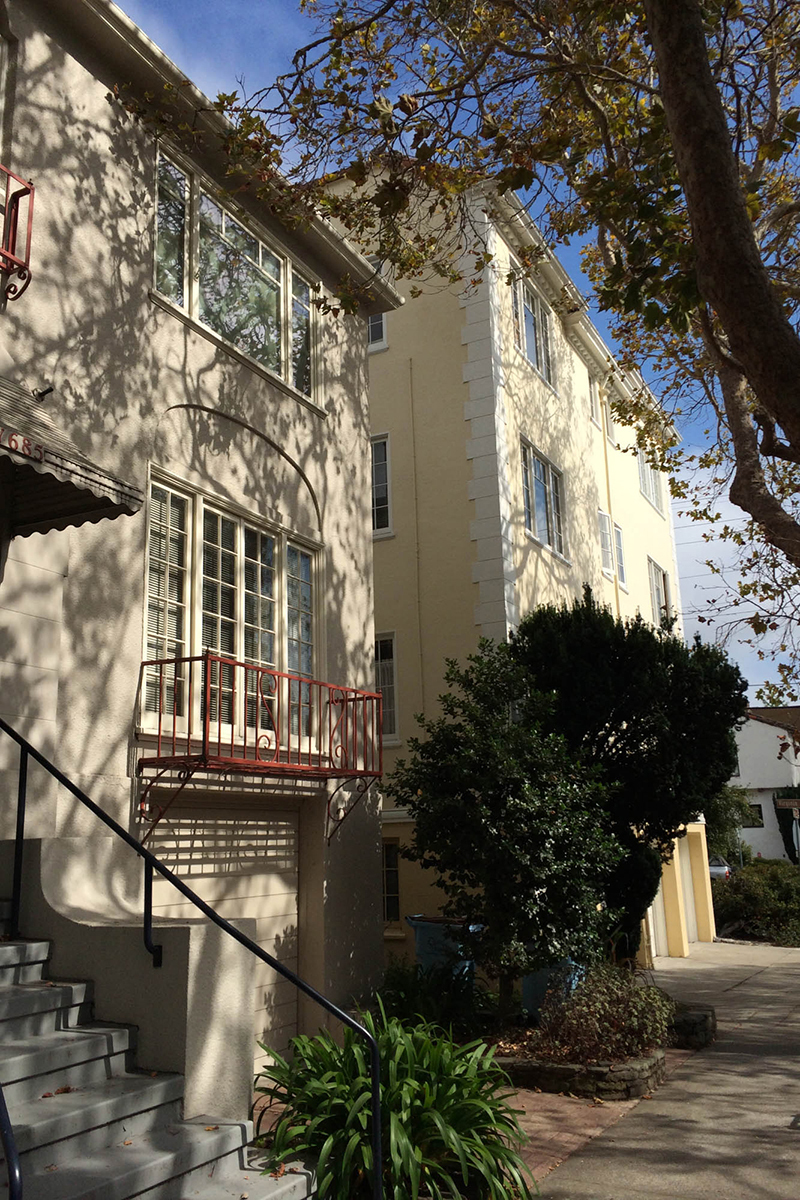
column 88, row 1125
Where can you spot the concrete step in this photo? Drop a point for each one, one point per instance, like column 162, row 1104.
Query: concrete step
column 28, row 1009
column 95, row 1117
column 74, row 1057
column 297, row 1183
column 161, row 1164
column 22, row 961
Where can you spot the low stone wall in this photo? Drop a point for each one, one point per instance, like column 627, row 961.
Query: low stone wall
column 607, row 1081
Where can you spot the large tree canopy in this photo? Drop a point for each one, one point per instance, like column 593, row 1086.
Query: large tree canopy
column 510, row 821
column 666, row 129
column 656, row 716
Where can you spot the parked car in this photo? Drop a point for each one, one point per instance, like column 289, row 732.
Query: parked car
column 719, row 868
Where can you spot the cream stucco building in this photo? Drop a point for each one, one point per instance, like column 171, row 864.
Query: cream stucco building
column 500, row 481
column 184, row 484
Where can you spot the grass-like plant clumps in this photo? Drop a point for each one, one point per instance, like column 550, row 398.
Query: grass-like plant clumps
column 611, row 1015
column 760, row 903
column 448, row 1128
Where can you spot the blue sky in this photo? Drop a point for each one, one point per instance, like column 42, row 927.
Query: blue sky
column 217, row 44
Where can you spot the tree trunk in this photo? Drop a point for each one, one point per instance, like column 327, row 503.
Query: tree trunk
column 730, row 273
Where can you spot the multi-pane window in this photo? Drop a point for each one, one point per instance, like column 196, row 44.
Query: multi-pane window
column 755, row 820
column 223, row 275
column 533, row 329
column 659, row 591
column 391, row 881
column 542, row 497
column 606, row 544
column 385, row 682
column 621, row 575
column 376, row 331
column 594, row 402
column 219, row 582
column 376, row 324
column 650, row 483
column 381, row 510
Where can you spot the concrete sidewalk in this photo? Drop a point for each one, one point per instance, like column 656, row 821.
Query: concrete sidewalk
column 726, row 1124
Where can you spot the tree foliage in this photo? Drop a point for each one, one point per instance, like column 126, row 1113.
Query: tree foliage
column 508, row 819
column 656, row 716
column 667, row 130
column 725, row 814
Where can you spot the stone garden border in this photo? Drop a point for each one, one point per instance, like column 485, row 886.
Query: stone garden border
column 607, row 1081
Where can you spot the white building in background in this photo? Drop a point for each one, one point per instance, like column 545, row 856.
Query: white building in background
column 768, row 763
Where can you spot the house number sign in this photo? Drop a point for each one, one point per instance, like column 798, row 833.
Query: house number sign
column 21, row 444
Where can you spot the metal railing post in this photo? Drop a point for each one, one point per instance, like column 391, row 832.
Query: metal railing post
column 147, row 925
column 10, row 1151
column 19, row 842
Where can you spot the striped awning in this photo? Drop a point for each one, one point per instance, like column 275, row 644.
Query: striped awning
column 50, row 484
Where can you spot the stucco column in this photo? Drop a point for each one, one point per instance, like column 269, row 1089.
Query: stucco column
column 701, row 882
column 677, row 941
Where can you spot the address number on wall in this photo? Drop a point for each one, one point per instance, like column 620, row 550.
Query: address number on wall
column 21, row 445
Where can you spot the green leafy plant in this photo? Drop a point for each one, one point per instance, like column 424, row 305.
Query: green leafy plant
column 448, row 1128
column 611, row 1015
column 440, row 995
column 761, row 902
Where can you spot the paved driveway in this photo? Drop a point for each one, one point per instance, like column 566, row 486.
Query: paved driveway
column 726, row 1124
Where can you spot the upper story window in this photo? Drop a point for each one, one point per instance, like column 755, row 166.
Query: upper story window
column 659, row 592
column 381, row 500
column 543, row 499
column 376, row 324
column 594, row 402
column 385, row 681
column 533, row 329
column 606, row 543
column 650, row 483
column 229, row 280
column 221, row 582
column 621, row 574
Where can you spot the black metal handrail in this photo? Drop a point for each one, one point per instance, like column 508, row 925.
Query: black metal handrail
column 152, row 863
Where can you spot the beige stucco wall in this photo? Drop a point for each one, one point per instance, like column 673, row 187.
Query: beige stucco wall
column 129, row 376
column 456, row 398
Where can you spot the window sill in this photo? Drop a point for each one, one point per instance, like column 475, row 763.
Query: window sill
column 228, row 347
column 655, row 507
column 392, row 740
column 393, row 934
column 562, row 558
column 609, row 575
column 377, row 347
column 543, row 378
column 380, row 535
column 596, row 423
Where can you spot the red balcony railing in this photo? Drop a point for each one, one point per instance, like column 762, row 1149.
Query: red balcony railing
column 16, row 224
column 211, row 713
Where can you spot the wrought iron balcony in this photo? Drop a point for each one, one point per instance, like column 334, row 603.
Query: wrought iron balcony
column 211, row 713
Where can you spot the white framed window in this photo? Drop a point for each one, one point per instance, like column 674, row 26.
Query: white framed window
column 594, row 402
column 606, row 543
column 659, row 591
column 533, row 329
column 385, row 681
column 543, row 498
column 391, row 882
column 229, row 279
column 376, row 324
column 620, row 552
column 381, row 491
column 611, row 433
column 224, row 582
column 650, row 483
